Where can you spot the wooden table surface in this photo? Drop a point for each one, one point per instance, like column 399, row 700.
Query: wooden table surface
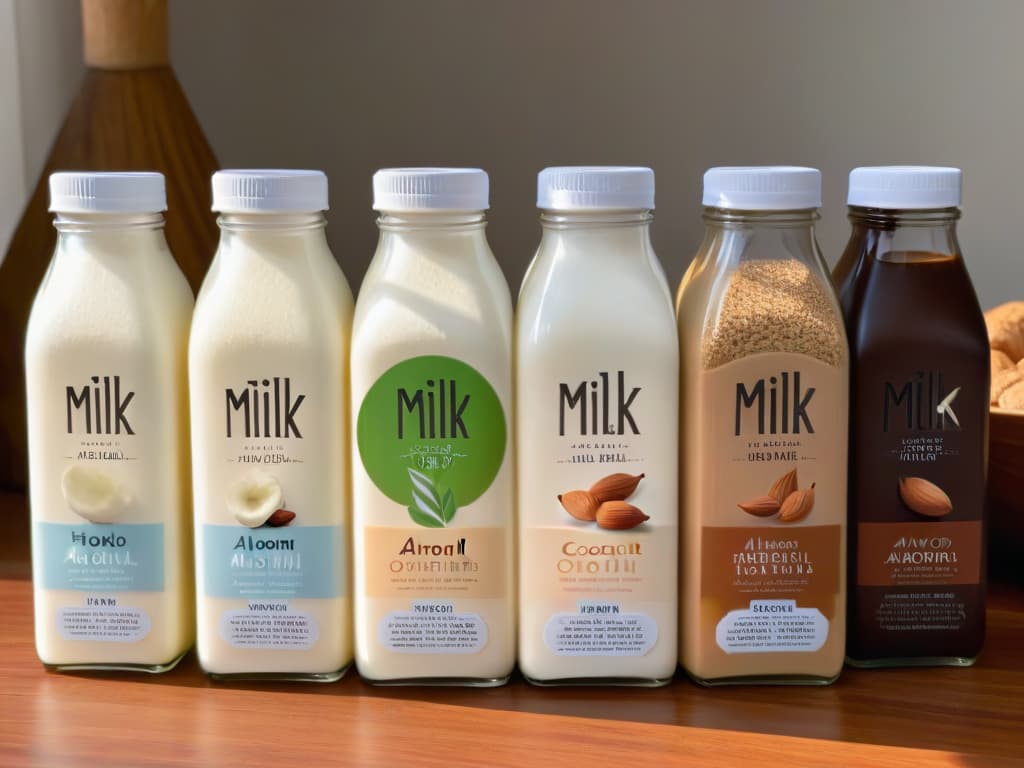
column 961, row 717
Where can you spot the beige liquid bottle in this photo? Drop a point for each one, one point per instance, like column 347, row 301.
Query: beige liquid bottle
column 763, row 420
column 597, row 379
column 432, row 455
column 108, row 432
column 269, row 389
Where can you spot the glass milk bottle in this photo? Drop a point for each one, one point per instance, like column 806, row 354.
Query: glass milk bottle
column 108, row 432
column 597, row 382
column 269, row 385
column 919, row 428
column 432, row 456
column 763, row 420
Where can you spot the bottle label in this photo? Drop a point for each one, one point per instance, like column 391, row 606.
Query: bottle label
column 598, row 505
column 280, row 563
column 271, row 542
column 111, row 623
column 105, row 501
column 600, row 629
column 432, row 626
column 464, row 562
column 432, row 438
column 601, row 590
column 920, row 448
column 772, row 479
column 269, row 625
column 99, row 558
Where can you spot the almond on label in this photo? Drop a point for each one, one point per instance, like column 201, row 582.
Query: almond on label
column 797, row 506
column 615, row 487
column 619, row 516
column 924, row 497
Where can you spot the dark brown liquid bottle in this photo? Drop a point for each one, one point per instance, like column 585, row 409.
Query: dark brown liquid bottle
column 918, row 424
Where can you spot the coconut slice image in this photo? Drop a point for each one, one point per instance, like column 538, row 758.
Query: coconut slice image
column 93, row 494
column 254, row 498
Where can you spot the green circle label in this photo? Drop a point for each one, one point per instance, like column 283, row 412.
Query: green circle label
column 431, row 434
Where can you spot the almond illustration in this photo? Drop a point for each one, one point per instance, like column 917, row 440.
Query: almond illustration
column 580, row 504
column 762, row 506
column 784, row 486
column 616, row 487
column 254, row 497
column 279, row 518
column 797, row 505
column 93, row 494
column 924, row 497
column 619, row 516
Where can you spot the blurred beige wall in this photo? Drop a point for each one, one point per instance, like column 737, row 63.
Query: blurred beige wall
column 40, row 70
column 678, row 85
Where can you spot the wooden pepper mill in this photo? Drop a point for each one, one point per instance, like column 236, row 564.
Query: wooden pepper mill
column 130, row 114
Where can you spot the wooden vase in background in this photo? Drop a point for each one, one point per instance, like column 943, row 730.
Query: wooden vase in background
column 130, row 114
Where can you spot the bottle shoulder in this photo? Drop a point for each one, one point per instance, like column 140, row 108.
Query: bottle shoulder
column 927, row 304
column 263, row 303
column 82, row 302
column 571, row 301
column 426, row 302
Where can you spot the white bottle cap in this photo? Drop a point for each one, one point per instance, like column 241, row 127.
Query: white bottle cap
column 595, row 188
column 120, row 192
column 430, row 189
column 269, row 191
column 905, row 187
column 763, row 188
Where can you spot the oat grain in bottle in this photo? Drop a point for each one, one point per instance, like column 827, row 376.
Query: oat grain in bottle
column 763, row 425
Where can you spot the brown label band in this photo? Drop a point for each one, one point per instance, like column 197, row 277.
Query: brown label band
column 931, row 553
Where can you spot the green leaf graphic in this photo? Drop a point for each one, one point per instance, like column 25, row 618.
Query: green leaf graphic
column 448, row 506
column 427, row 507
column 426, row 521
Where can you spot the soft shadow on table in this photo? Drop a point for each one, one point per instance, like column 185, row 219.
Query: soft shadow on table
column 979, row 709
column 939, row 709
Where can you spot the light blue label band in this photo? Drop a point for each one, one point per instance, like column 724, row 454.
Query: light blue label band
column 99, row 558
column 301, row 561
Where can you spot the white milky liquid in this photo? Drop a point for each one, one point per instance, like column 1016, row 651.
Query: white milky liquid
column 434, row 293
column 272, row 325
column 595, row 316
column 111, row 536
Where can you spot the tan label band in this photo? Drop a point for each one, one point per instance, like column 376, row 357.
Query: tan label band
column 428, row 562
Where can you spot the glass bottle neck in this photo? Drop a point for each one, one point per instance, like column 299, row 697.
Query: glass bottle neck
column 110, row 234
column 99, row 223
column 432, row 221
column 282, row 232
column 731, row 236
column 443, row 235
column 271, row 222
column 727, row 218
column 905, row 236
column 595, row 234
column 566, row 220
